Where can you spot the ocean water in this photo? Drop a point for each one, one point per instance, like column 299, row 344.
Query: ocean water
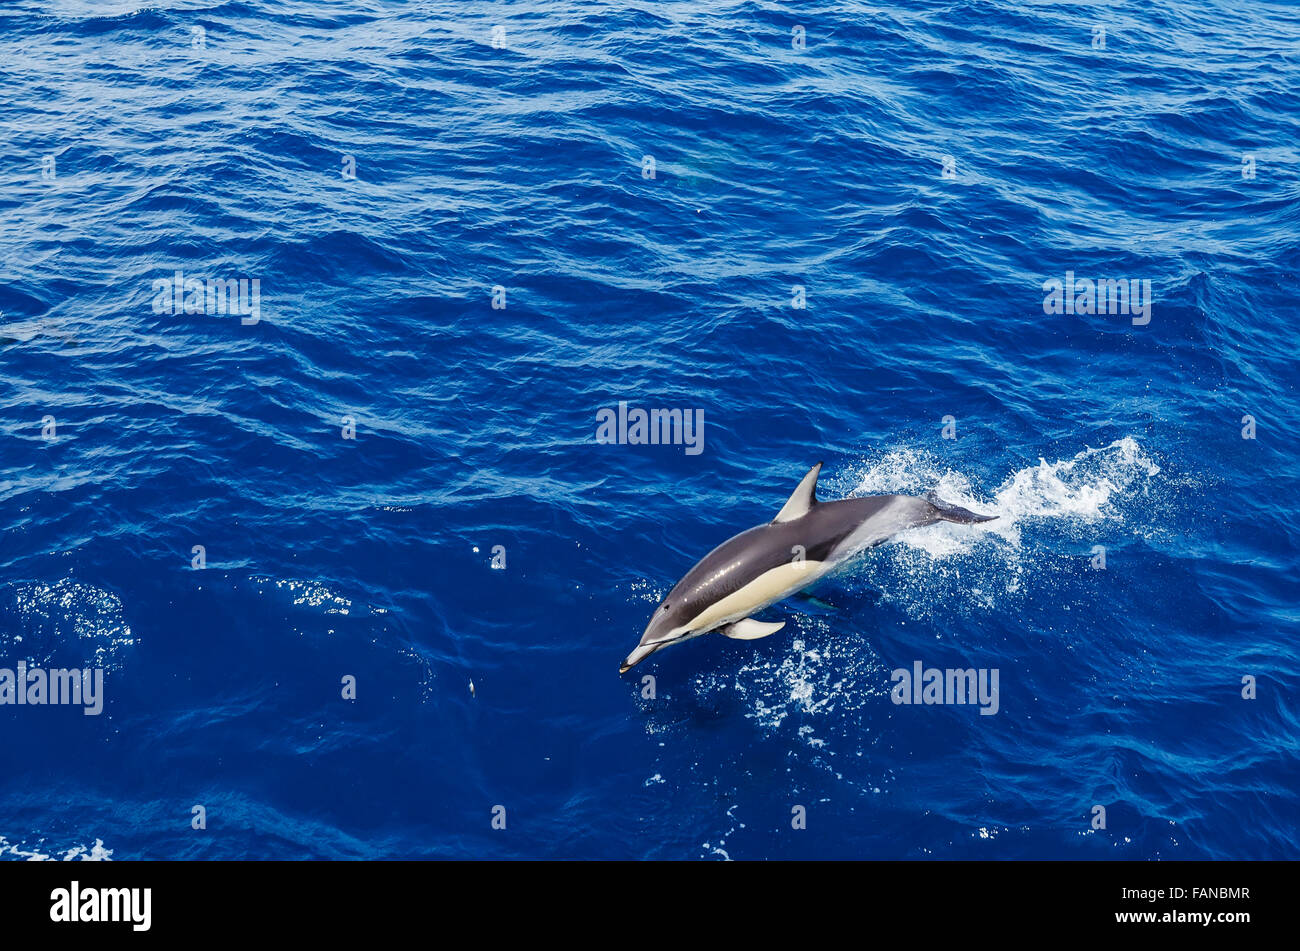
column 829, row 228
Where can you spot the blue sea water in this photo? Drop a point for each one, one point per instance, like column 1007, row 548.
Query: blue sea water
column 644, row 187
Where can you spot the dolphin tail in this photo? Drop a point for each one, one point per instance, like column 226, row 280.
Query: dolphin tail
column 955, row 513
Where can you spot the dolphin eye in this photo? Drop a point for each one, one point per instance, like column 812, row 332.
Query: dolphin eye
column 665, row 607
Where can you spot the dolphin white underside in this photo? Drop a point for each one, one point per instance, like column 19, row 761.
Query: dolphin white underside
column 768, row 588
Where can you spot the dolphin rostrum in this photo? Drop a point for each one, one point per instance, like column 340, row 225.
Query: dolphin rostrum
column 768, row 563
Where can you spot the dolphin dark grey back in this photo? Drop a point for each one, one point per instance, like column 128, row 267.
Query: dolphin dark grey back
column 741, row 559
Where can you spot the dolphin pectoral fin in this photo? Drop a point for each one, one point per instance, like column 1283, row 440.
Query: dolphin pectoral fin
column 803, row 499
column 750, row 630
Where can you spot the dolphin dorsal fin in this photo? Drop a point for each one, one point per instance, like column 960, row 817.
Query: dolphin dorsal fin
column 803, row 499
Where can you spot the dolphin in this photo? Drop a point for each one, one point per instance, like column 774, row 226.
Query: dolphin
column 768, row 563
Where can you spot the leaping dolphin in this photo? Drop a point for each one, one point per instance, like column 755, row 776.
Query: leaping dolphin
column 768, row 563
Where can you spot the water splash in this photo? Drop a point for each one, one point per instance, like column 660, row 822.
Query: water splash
column 1094, row 485
column 831, row 676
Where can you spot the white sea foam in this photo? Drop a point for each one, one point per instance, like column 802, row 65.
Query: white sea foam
column 310, row 594
column 313, row 594
column 807, row 685
column 39, row 853
column 67, row 620
column 1082, row 490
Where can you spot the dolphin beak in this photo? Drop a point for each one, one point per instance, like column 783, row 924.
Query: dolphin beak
column 641, row 653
